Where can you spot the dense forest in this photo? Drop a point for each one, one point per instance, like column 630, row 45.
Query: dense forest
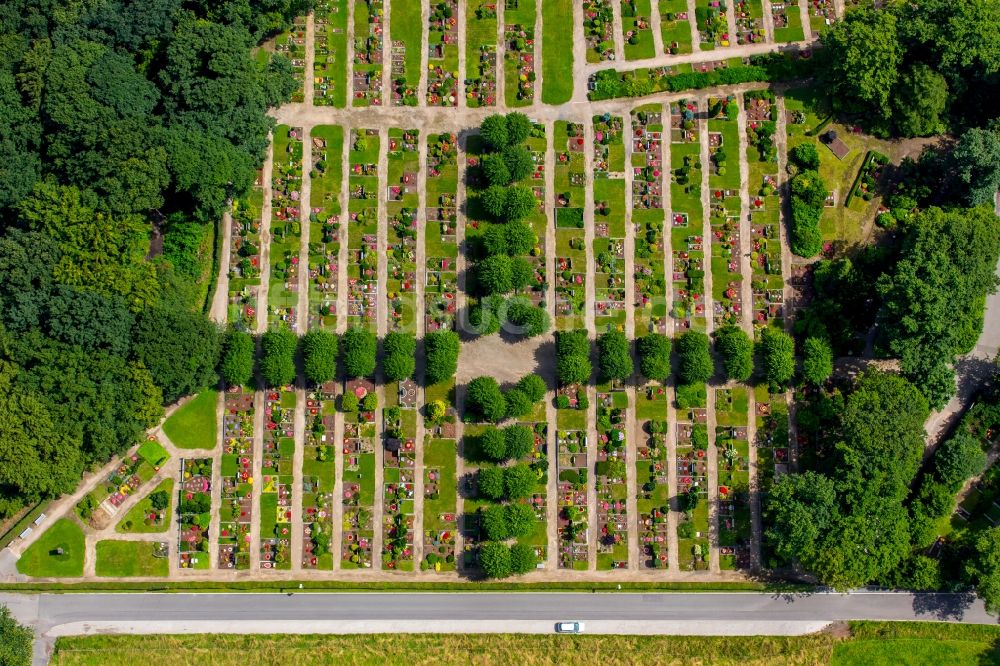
column 120, row 122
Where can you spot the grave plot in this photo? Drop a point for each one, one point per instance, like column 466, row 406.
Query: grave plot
column 538, row 219
column 362, row 265
column 610, row 478
column 686, row 241
column 538, row 539
column 133, row 472
column 440, row 504
column 442, row 54
column 441, row 244
column 401, row 208
column 724, row 196
column 733, row 451
column 407, row 44
column 153, row 514
column 236, row 511
column 292, row 44
column 571, row 248
column 286, row 227
column 481, row 55
column 712, row 25
column 750, row 22
column 276, row 480
column 330, row 65
column 318, row 478
column 692, row 483
column 773, row 453
column 649, row 298
column 359, row 474
column 821, row 14
column 366, row 78
column 325, row 220
column 652, row 480
column 638, row 37
column 194, row 513
column 572, row 493
column 765, row 210
column 675, row 26
column 470, row 522
column 399, row 425
column 609, row 222
column 599, row 30
column 244, row 259
column 787, row 21
column 519, row 59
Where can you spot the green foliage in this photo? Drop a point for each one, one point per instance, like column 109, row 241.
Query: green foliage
column 441, row 349
column 180, row 349
column 358, row 349
column 495, row 559
column 976, row 162
column 518, row 404
column 778, row 356
column 519, row 482
column 984, row 568
column 736, row 349
column 489, row 482
column 808, row 196
column 319, row 356
column 236, row 364
column 805, row 156
column 533, row 386
column 494, row 200
column 958, row 459
column 15, row 641
column 654, row 356
column 694, row 359
column 573, row 357
column 494, row 130
column 817, row 360
column 494, row 274
column 493, row 445
column 518, row 161
column 349, row 403
column 614, row 357
column 522, row 558
column 400, row 358
column 533, row 320
column 495, row 169
column 920, row 102
column 518, row 203
column 484, row 400
column 277, row 357
column 519, row 441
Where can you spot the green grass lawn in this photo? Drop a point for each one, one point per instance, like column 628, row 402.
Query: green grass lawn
column 407, row 27
column 134, row 520
column 129, row 558
column 557, row 52
column 40, row 559
column 643, row 47
column 194, row 425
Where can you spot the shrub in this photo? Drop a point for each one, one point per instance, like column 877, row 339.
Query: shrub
column 691, row 395
column 778, row 353
column 349, row 403
column 533, row 387
column 654, row 356
column 485, row 400
column 805, row 156
column 695, row 361
column 369, row 403
column 441, row 349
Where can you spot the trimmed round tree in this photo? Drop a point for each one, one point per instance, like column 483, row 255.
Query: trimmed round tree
column 400, row 360
column 817, row 360
column 494, row 274
column 494, row 130
column 521, row 273
column 518, row 202
column 522, row 558
column 490, row 482
column 518, row 404
column 319, row 356
column 493, row 199
column 958, row 459
column 518, row 161
column 573, row 357
column 236, row 365
column 736, row 349
column 519, row 482
column 494, row 523
column 494, row 558
column 277, row 361
column 358, row 350
column 495, row 169
column 778, row 353
column 519, row 441
column 520, row 519
column 484, row 400
column 533, row 320
column 495, row 240
column 493, row 445
column 694, row 359
column 518, row 127
column 533, row 387
column 521, row 238
column 614, row 358
column 654, row 356
column 441, row 349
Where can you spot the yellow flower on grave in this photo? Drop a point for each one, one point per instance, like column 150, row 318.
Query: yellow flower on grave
column 250, row 480
column 437, row 566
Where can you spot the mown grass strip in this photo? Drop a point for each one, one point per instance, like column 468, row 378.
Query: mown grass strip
column 557, row 51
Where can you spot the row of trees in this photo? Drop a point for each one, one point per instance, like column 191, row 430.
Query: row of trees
column 808, row 197
column 486, row 401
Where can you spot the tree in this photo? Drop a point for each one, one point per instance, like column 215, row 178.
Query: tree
column 817, row 360
column 805, row 156
column 236, row 365
column 358, row 350
column 808, row 197
column 920, row 102
column 519, row 441
column 614, row 357
column 494, row 240
column 522, row 558
column 518, row 203
column 277, row 360
column 349, row 403
column 518, row 404
column 533, row 320
column 984, row 568
column 522, row 273
column 441, row 348
column 180, row 349
column 521, row 238
column 519, row 482
column 533, row 386
column 494, row 523
column 159, row 500
column 518, row 128
column 694, row 359
column 319, row 356
column 494, row 130
column 736, row 349
column 495, row 169
column 484, row 400
column 778, row 356
column 519, row 163
column 493, row 445
column 494, row 200
column 490, row 482
column 520, row 519
column 15, row 641
column 976, row 162
column 400, row 361
column 495, row 560
column 654, row 356
column 959, row 459
column 800, row 509
column 494, row 274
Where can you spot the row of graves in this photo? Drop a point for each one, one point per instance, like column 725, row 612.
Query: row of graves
column 442, row 54
column 404, row 92
column 244, row 259
column 571, row 490
column 366, row 77
column 362, row 266
column 610, row 476
column 787, row 21
column 481, row 56
column 773, row 443
column 325, row 225
column 519, row 54
column 649, row 298
column 237, row 469
column 733, row 465
column 538, row 219
column 637, row 30
column 687, row 241
column 128, row 477
column 599, row 30
column 319, row 474
column 330, row 64
column 359, row 474
column 292, row 45
column 609, row 221
column 724, row 189
column 440, row 240
column 276, row 480
column 691, row 466
column 440, row 444
column 405, row 52
column 571, row 246
column 750, row 22
column 402, row 203
column 286, row 227
column 399, row 456
column 538, row 500
column 765, row 210
column 652, row 468
column 675, row 26
column 194, row 513
column 821, row 14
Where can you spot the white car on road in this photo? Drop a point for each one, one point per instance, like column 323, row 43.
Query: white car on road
column 569, row 627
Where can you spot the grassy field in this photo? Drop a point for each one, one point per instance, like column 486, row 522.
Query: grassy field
column 871, row 643
column 557, row 52
column 194, row 426
column 41, row 560
column 134, row 521
column 128, row 558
